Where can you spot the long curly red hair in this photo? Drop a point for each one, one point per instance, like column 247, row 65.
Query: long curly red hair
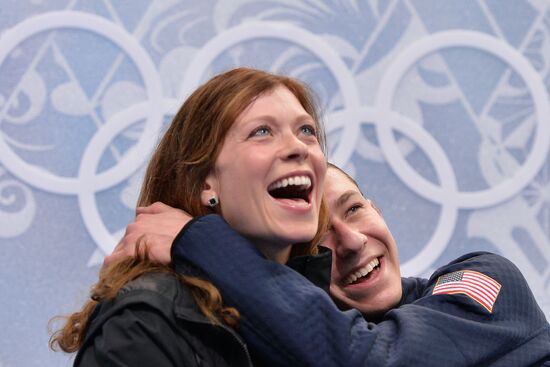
column 175, row 176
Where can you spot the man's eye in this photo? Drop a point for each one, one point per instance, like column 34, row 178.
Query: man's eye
column 353, row 209
column 308, row 130
column 261, row 131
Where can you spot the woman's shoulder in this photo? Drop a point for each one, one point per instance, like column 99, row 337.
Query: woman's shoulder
column 162, row 284
column 151, row 291
column 163, row 291
column 143, row 313
column 158, row 292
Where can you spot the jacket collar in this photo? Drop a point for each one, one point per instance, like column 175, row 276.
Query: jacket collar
column 315, row 268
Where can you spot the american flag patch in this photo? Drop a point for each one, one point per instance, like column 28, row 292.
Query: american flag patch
column 475, row 285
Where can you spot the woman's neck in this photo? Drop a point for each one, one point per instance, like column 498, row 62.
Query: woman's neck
column 275, row 252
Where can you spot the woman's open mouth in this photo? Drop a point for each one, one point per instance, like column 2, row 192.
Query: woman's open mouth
column 296, row 188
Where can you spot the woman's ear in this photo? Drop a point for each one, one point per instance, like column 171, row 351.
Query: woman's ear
column 209, row 194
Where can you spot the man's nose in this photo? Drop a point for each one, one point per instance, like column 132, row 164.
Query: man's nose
column 350, row 241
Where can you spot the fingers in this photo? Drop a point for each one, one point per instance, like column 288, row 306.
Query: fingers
column 159, row 218
column 156, row 247
column 126, row 247
column 159, row 208
column 112, row 258
column 154, row 227
column 155, row 208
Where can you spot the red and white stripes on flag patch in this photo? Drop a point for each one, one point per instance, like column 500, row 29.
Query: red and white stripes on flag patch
column 475, row 285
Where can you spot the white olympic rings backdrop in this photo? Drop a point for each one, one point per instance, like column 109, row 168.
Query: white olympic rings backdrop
column 448, row 196
column 345, row 122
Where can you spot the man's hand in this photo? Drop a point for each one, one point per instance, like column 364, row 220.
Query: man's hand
column 154, row 228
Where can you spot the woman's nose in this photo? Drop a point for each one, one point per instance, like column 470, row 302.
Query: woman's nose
column 294, row 148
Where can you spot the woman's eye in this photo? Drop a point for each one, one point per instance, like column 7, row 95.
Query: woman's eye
column 308, row 130
column 261, row 131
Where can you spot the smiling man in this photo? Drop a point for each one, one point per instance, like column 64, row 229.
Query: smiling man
column 476, row 311
column 365, row 271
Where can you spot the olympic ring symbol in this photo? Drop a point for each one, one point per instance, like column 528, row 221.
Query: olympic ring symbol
column 499, row 48
column 47, row 181
column 307, row 40
column 88, row 182
column 449, row 211
column 90, row 161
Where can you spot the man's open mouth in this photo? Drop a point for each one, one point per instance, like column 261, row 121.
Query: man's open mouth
column 363, row 273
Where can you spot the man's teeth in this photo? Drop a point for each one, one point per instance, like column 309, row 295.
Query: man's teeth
column 362, row 272
column 292, row 181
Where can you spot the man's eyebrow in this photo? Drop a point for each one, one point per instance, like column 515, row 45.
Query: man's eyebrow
column 344, row 198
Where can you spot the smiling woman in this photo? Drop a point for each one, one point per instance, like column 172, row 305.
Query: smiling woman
column 247, row 145
column 272, row 143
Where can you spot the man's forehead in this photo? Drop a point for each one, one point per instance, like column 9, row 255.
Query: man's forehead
column 343, row 197
column 339, row 188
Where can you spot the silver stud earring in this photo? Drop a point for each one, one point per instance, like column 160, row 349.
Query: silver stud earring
column 213, row 201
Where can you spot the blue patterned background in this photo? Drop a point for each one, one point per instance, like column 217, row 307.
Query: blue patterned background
column 440, row 110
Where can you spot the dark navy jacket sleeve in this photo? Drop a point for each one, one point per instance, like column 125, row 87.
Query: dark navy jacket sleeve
column 289, row 322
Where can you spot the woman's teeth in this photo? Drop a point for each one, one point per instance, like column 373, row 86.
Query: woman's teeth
column 362, row 272
column 291, row 181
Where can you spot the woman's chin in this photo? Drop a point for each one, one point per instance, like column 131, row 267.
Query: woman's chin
column 307, row 237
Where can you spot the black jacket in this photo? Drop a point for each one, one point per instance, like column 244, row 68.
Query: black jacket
column 154, row 321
